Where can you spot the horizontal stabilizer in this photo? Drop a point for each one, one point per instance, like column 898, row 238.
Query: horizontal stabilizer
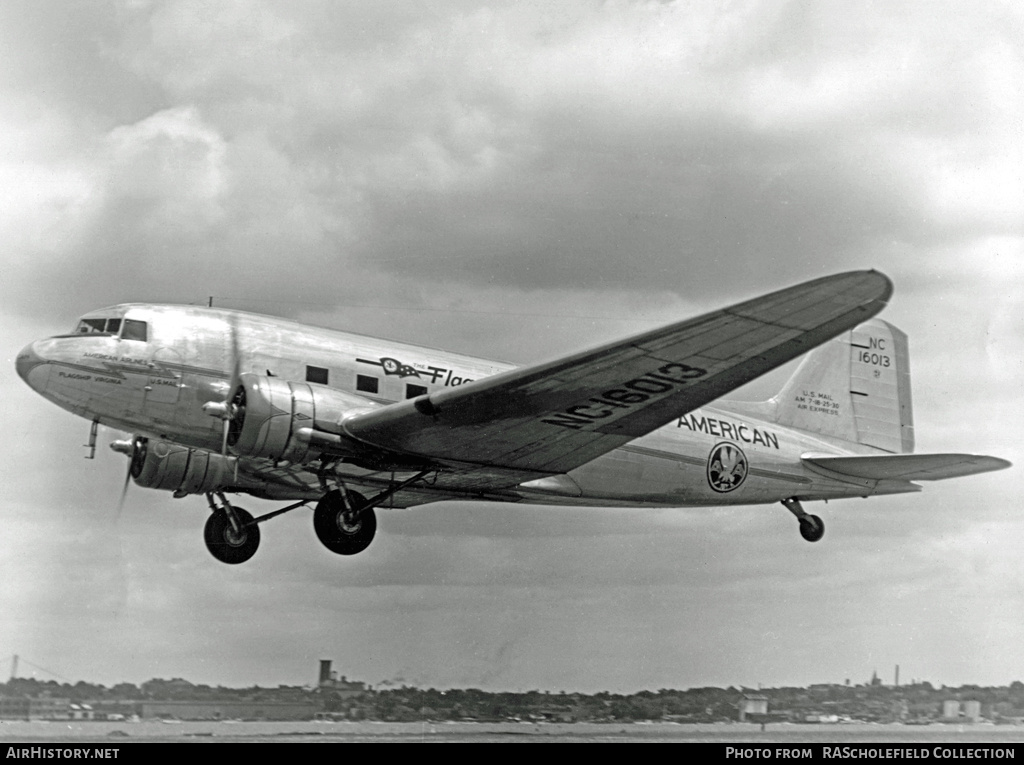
column 907, row 467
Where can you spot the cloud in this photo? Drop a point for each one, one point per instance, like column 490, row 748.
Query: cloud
column 591, row 150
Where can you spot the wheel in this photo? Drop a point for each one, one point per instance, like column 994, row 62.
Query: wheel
column 339, row 534
column 227, row 546
column 812, row 528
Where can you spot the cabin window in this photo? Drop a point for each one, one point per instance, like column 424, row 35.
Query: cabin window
column 367, row 384
column 134, row 330
column 412, row 391
column 317, row 375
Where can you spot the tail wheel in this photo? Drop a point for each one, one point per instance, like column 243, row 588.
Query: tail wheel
column 812, row 528
column 227, row 545
column 341, row 526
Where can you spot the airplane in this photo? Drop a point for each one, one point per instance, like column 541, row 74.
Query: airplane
column 226, row 402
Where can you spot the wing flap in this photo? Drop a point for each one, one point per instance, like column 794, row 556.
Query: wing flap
column 558, row 415
column 908, row 467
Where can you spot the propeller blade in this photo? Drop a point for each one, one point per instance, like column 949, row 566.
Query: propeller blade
column 236, row 361
column 128, row 448
column 124, row 490
column 224, row 409
column 236, row 380
column 224, row 441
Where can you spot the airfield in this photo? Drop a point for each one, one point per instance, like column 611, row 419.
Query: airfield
column 111, row 733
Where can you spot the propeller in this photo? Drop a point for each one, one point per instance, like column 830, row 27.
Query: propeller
column 135, row 449
column 127, row 445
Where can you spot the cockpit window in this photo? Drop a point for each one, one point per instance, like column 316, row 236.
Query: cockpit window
column 129, row 329
column 98, row 326
column 134, row 330
column 90, row 326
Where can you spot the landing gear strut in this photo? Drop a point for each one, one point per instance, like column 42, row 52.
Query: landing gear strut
column 231, row 533
column 812, row 528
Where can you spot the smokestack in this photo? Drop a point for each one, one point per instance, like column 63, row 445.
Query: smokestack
column 897, row 675
column 325, row 671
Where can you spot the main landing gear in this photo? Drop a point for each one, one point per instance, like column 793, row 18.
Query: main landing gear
column 344, row 522
column 231, row 533
column 812, row 528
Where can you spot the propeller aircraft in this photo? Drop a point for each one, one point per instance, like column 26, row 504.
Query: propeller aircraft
column 225, row 402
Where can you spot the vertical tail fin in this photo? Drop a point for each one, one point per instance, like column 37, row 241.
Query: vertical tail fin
column 855, row 387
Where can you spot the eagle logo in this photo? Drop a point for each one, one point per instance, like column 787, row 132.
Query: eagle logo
column 727, row 467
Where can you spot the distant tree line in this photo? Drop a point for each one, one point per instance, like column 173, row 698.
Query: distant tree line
column 873, row 701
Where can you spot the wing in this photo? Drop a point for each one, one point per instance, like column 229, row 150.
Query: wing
column 552, row 417
column 908, row 467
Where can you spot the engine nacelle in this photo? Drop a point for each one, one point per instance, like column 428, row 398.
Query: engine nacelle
column 162, row 465
column 293, row 421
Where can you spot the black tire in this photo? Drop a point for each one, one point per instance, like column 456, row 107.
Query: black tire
column 224, row 544
column 812, row 528
column 335, row 533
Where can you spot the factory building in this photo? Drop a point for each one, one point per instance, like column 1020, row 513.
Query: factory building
column 342, row 687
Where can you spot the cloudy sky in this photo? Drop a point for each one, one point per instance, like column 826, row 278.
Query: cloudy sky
column 517, row 180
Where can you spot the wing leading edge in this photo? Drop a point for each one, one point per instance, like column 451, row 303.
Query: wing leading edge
column 555, row 416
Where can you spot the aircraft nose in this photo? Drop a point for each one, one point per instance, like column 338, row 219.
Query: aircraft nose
column 32, row 368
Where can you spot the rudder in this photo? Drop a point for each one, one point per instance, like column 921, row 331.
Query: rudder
column 856, row 388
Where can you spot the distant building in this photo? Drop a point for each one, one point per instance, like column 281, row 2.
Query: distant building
column 752, row 704
column 38, row 708
column 81, row 712
column 14, row 707
column 342, row 687
column 951, row 710
column 972, row 710
column 326, row 676
column 229, row 709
